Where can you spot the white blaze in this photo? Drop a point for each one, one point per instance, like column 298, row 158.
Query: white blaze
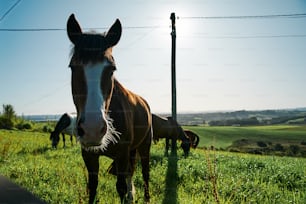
column 95, row 101
column 94, row 110
column 94, row 116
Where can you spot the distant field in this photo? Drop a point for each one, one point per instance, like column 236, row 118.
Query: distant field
column 59, row 176
column 223, row 137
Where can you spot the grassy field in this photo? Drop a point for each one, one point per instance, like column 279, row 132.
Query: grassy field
column 224, row 137
column 59, row 176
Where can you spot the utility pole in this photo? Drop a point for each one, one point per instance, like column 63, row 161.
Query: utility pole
column 173, row 72
column 173, row 77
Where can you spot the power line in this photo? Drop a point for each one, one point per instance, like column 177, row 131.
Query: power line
column 9, row 10
column 31, row 29
column 64, row 29
column 153, row 27
column 296, row 15
column 248, row 36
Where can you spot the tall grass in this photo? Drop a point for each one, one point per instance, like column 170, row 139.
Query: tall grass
column 206, row 176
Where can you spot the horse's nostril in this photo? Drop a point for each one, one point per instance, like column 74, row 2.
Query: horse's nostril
column 80, row 131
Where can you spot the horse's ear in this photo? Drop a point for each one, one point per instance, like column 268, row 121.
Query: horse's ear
column 74, row 30
column 114, row 34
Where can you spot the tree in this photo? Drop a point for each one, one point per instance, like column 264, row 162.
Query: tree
column 8, row 112
column 8, row 116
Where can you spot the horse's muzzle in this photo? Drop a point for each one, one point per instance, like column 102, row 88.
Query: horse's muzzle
column 91, row 130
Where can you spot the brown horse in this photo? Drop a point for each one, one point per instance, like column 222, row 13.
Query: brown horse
column 111, row 120
column 171, row 130
column 194, row 138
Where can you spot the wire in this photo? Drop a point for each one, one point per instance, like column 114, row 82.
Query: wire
column 193, row 36
column 63, row 29
column 249, row 37
column 9, row 10
column 296, row 15
column 31, row 29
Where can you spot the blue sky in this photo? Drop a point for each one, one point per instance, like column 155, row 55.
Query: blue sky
column 222, row 64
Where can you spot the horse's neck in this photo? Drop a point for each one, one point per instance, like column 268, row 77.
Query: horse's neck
column 182, row 135
column 177, row 129
column 121, row 93
column 119, row 88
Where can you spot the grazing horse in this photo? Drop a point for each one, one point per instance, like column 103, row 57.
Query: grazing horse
column 65, row 125
column 111, row 120
column 169, row 129
column 194, row 138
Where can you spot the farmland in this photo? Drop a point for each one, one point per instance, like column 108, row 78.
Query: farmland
column 206, row 176
column 264, row 139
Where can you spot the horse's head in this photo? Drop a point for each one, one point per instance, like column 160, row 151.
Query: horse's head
column 179, row 132
column 55, row 139
column 186, row 143
column 92, row 67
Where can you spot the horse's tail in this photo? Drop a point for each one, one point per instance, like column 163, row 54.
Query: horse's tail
column 196, row 141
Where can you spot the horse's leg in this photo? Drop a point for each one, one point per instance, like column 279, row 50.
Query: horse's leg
column 121, row 187
column 71, row 140
column 122, row 165
column 64, row 139
column 130, row 184
column 146, row 175
column 144, row 152
column 92, row 164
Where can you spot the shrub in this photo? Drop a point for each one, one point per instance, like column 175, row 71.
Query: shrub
column 47, row 128
column 279, row 147
column 261, row 144
column 24, row 126
column 27, row 126
column 6, row 123
column 294, row 149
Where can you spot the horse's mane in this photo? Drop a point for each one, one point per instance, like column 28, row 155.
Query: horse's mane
column 132, row 97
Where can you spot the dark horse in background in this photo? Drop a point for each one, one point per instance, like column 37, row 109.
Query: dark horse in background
column 111, row 120
column 65, row 125
column 169, row 128
column 193, row 137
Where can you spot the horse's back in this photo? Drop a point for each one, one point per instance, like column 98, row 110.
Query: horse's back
column 71, row 128
column 162, row 127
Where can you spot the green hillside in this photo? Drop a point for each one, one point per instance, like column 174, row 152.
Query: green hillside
column 248, row 137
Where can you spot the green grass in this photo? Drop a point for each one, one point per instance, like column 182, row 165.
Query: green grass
column 59, row 176
column 222, row 137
